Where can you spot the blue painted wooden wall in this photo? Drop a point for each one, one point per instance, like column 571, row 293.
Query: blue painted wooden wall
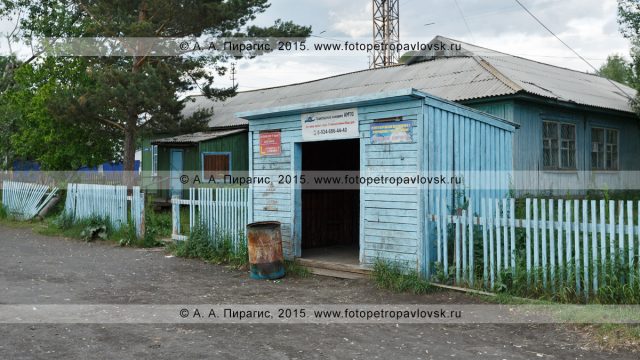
column 529, row 114
column 447, row 137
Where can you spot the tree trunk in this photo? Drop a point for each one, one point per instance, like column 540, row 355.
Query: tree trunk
column 130, row 150
column 131, row 123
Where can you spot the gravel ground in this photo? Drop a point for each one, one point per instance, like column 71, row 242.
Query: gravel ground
column 35, row 269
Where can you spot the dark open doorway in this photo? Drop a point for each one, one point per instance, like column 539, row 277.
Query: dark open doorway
column 331, row 217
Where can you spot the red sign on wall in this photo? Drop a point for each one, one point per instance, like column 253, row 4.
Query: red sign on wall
column 270, row 144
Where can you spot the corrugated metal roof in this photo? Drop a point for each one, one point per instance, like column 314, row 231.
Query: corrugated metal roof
column 555, row 82
column 197, row 137
column 473, row 73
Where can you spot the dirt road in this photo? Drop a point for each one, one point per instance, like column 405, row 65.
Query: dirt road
column 42, row 270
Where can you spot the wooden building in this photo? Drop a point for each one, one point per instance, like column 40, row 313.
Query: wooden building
column 396, row 133
column 577, row 131
column 215, row 152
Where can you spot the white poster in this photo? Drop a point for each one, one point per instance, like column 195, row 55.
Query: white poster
column 330, row 125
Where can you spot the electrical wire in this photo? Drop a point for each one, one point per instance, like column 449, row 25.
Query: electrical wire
column 570, row 48
column 465, row 20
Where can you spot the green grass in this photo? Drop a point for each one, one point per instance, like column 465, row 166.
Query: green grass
column 65, row 226
column 219, row 250
column 615, row 285
column 158, row 222
column 293, row 268
column 3, row 212
column 395, row 277
column 614, row 336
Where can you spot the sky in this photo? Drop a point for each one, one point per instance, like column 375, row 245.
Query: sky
column 589, row 26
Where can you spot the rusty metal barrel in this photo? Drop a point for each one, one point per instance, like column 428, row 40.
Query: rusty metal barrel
column 265, row 250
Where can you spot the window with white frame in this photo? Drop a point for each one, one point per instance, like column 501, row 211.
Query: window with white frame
column 154, row 160
column 604, row 149
column 558, row 145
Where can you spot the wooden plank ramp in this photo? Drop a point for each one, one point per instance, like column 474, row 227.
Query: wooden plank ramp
column 337, row 270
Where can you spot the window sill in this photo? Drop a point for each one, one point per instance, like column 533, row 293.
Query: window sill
column 606, row 171
column 560, row 171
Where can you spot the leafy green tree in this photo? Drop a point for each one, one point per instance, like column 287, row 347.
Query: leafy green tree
column 629, row 20
column 38, row 133
column 142, row 93
column 616, row 68
column 7, row 116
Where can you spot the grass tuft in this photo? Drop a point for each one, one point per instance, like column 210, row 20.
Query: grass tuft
column 395, row 277
column 293, row 268
column 218, row 250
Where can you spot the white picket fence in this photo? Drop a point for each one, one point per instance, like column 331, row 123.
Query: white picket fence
column 223, row 211
column 110, row 202
column 25, row 200
column 564, row 240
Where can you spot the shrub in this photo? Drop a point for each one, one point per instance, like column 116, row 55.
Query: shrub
column 157, row 223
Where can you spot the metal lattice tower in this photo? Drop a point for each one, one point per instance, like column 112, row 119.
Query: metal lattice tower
column 386, row 30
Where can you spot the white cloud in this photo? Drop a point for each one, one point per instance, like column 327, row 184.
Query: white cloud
column 589, row 26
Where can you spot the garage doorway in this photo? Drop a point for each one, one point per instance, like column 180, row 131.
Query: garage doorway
column 331, row 217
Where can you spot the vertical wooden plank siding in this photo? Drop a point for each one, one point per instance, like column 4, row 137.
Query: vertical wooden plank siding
column 544, row 241
column 528, row 237
column 576, row 239
column 224, row 212
column 463, row 143
column 561, row 257
column 536, row 260
column 109, row 202
column 594, row 245
column 585, row 246
column 448, row 139
column 572, row 247
column 25, row 200
column 552, row 243
column 485, row 260
column 630, row 247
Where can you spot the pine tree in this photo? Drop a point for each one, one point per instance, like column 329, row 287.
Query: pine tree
column 143, row 93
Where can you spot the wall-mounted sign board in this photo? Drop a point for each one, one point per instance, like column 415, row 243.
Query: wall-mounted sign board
column 330, row 125
column 393, row 132
column 270, row 143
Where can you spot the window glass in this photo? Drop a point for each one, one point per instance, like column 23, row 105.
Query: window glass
column 604, row 149
column 216, row 165
column 154, row 160
column 559, row 145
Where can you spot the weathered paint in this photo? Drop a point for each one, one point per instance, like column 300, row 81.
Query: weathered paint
column 109, row 202
column 447, row 138
column 236, row 145
column 589, row 248
column 529, row 113
column 25, row 200
column 265, row 250
column 223, row 211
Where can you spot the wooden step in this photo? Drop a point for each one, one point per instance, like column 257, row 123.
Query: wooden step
column 336, row 274
column 332, row 269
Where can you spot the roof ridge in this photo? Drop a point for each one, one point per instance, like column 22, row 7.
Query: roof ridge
column 523, row 58
column 497, row 74
column 323, row 78
column 486, row 65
